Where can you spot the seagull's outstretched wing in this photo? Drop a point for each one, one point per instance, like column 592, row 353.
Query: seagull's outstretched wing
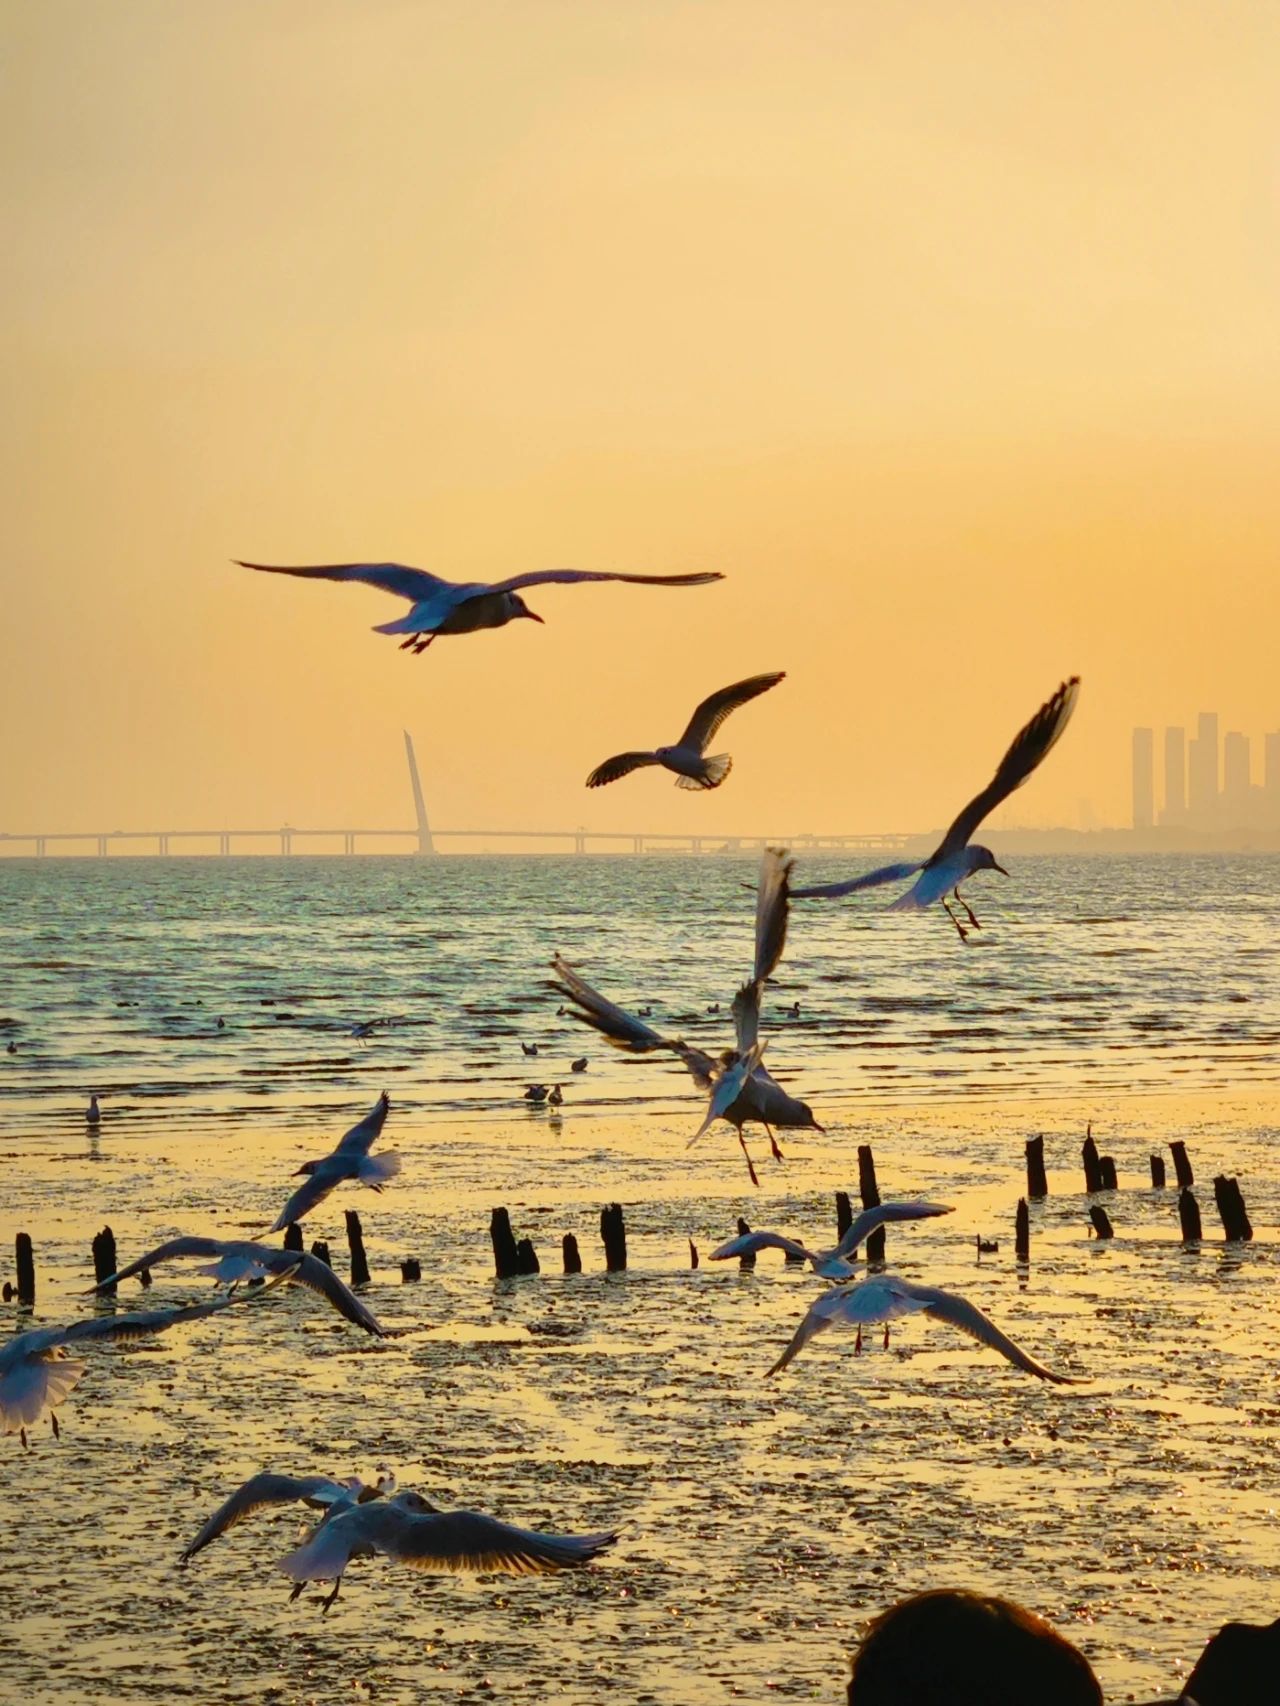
column 868, row 880
column 947, row 1306
column 263, row 1490
column 772, row 898
column 622, row 764
column 751, row 1243
column 746, row 1016
column 361, row 1138
column 413, row 584
column 309, row 1194
column 706, row 721
column 146, row 1321
column 622, row 1029
column 884, row 1213
column 440, row 1541
column 1030, row 747
column 849, row 1305
column 566, row 577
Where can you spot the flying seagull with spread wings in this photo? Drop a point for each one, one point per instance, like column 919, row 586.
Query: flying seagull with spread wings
column 350, row 1160
column 737, row 1086
column 955, row 858
column 410, row 1530
column 238, row 1259
column 835, row 1264
column 37, row 1372
column 885, row 1297
column 687, row 759
column 439, row 606
column 267, row 1490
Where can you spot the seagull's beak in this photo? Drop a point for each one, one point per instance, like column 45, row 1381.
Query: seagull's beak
column 1001, row 870
column 533, row 616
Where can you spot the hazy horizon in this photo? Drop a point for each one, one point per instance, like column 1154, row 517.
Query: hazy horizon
column 947, row 334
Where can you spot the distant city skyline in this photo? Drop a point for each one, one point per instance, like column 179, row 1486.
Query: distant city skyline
column 1208, row 780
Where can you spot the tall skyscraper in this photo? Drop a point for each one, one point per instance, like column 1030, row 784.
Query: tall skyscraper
column 1203, row 765
column 1235, row 770
column 1144, row 778
column 1271, row 765
column 1175, row 775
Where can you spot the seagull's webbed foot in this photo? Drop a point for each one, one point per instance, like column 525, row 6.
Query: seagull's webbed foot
column 330, row 1597
column 857, row 1344
column 960, row 929
column 961, row 901
column 747, row 1153
column 773, row 1145
column 886, row 1335
column 297, row 1587
column 420, row 643
column 22, row 1435
column 57, row 1431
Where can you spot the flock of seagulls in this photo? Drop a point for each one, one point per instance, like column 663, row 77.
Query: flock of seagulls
column 38, row 1369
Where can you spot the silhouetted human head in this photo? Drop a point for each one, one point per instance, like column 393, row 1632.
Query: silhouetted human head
column 950, row 1648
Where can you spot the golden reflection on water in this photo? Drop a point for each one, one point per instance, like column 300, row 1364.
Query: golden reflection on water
column 765, row 1521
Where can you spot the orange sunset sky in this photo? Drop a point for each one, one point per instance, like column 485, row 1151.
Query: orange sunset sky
column 948, row 331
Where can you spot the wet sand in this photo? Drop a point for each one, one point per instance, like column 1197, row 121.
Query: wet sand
column 765, row 1521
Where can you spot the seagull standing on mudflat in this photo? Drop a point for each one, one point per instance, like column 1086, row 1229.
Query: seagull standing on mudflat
column 687, row 759
column 955, row 858
column 350, row 1160
column 459, row 607
column 885, row 1297
column 737, row 1085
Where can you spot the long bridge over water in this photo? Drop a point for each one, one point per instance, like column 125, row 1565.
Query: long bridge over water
column 420, row 837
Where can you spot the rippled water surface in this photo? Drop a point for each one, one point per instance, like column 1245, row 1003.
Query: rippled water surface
column 765, row 1521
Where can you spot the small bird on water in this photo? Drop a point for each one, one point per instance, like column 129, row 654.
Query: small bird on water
column 687, row 759
column 955, row 859
column 93, row 1113
column 449, row 607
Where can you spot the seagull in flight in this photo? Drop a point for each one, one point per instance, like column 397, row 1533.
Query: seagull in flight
column 835, row 1264
column 687, row 759
column 350, row 1160
column 956, row 858
column 237, row 1260
column 439, row 606
column 739, row 1088
column 37, row 1373
column 885, row 1297
column 411, row 1530
column 269, row 1489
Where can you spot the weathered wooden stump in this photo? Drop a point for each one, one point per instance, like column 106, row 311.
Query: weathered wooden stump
column 1101, row 1222
column 355, row 1243
column 569, row 1251
column 1037, row 1182
column 1181, row 1165
column 1231, row 1209
column 410, row 1270
column 844, row 1214
column 104, row 1258
column 1107, row 1173
column 293, row 1237
column 1022, row 1232
column 1092, row 1172
column 527, row 1257
column 1157, row 1172
column 614, row 1232
column 24, row 1258
column 506, row 1261
column 1189, row 1215
column 870, row 1194
column 320, row 1250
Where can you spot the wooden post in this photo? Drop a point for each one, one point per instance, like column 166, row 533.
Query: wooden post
column 320, row 1250
column 1181, row 1166
column 1189, row 1215
column 293, row 1237
column 1037, row 1183
column 527, row 1257
column 1022, row 1232
column 355, row 1243
column 25, row 1259
column 870, row 1193
column 1107, row 1172
column 1157, row 1172
column 569, row 1250
column 1235, row 1218
column 410, row 1270
column 104, row 1258
column 844, row 1214
column 614, row 1232
column 693, row 1254
column 506, row 1263
column 1092, row 1172
column 1101, row 1223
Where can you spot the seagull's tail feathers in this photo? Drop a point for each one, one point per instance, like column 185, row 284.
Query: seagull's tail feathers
column 713, row 772
column 377, row 1169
